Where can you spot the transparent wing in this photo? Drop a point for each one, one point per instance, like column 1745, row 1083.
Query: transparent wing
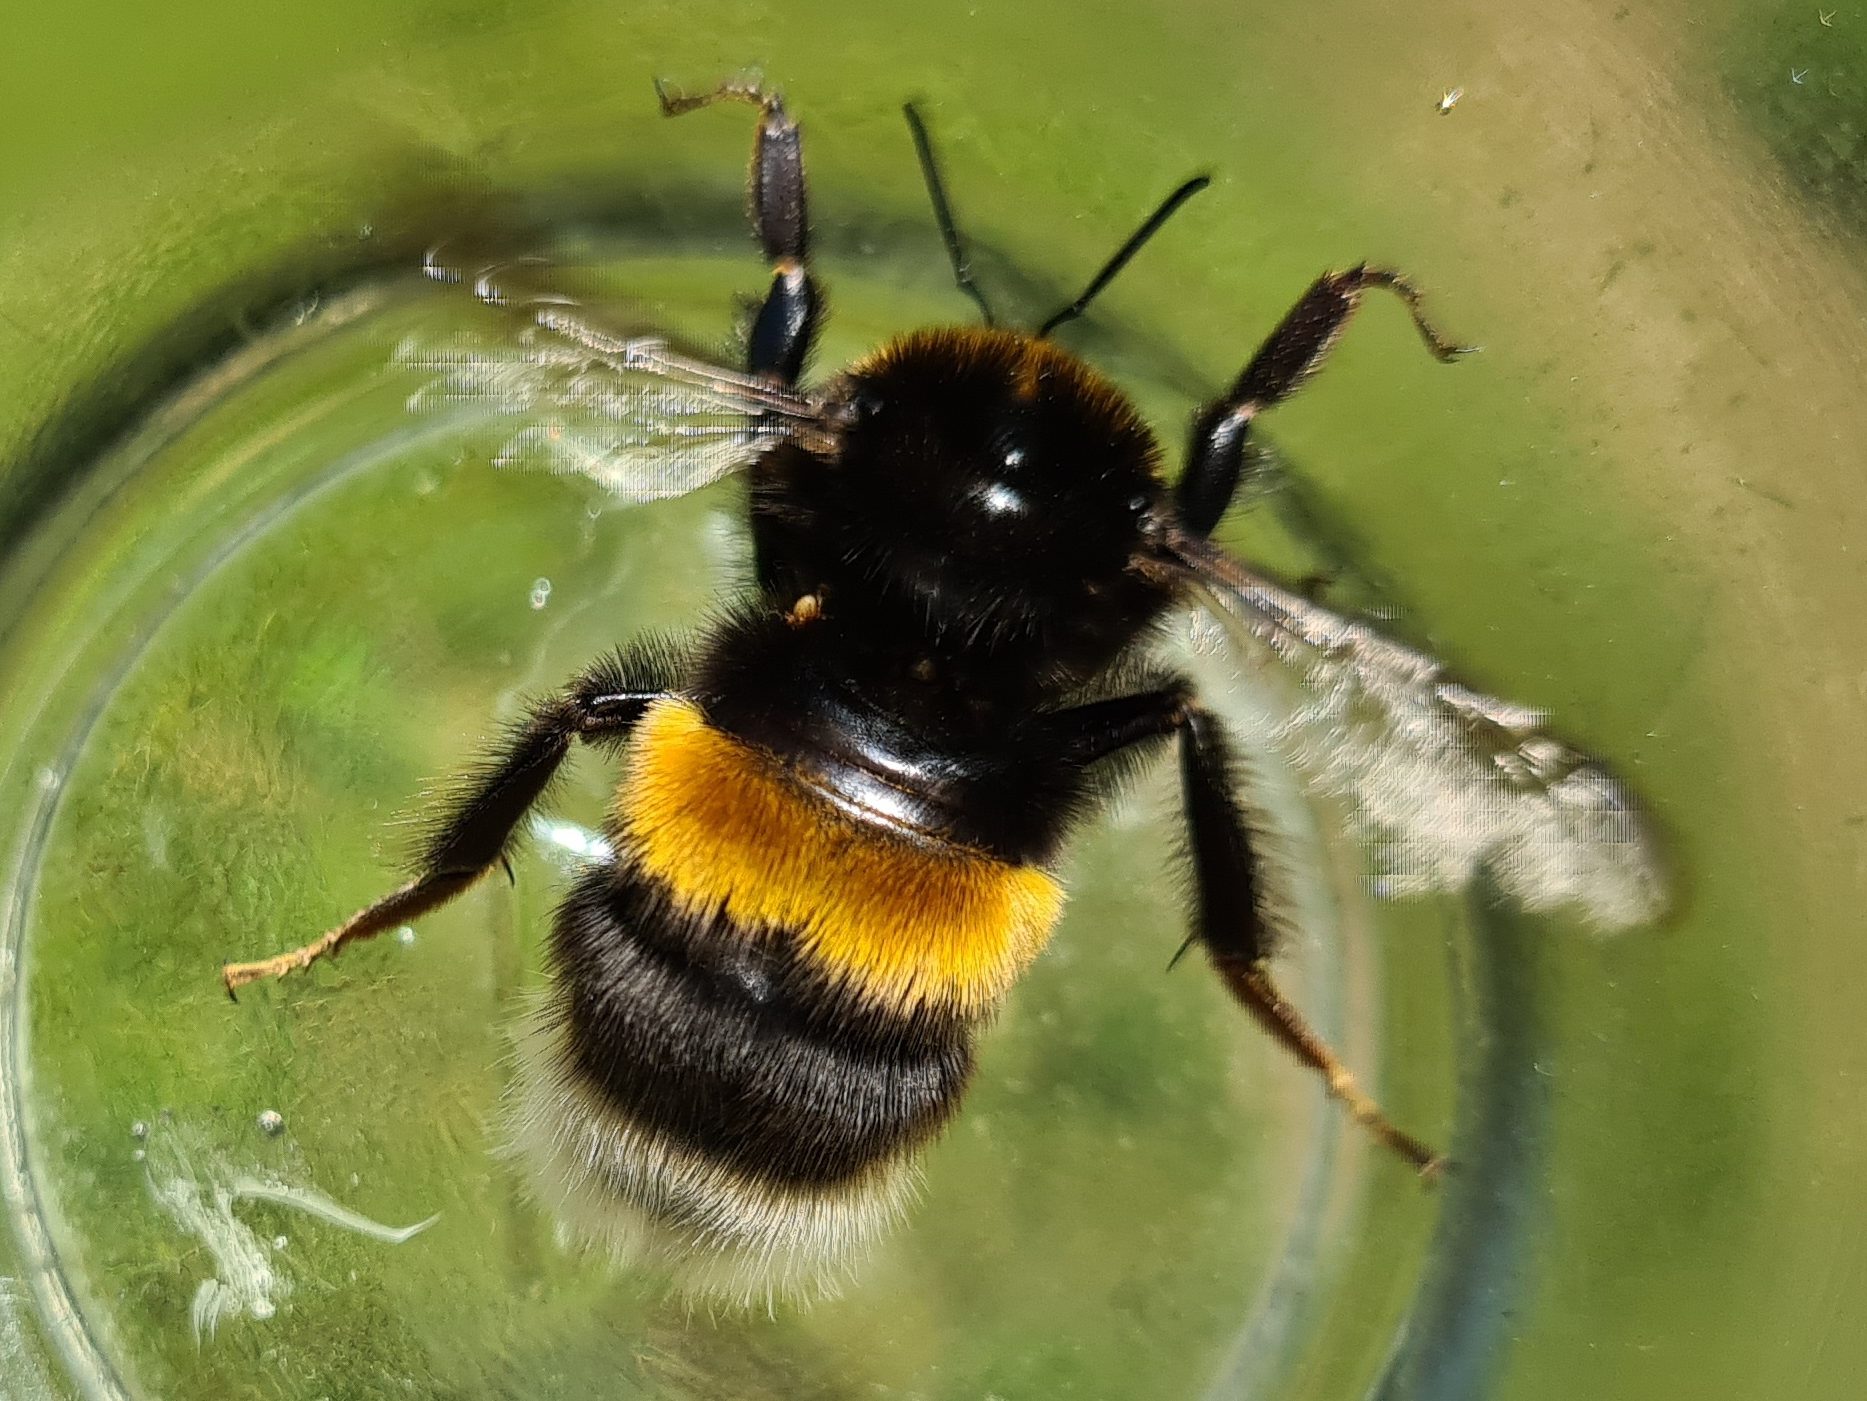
column 630, row 412
column 1442, row 780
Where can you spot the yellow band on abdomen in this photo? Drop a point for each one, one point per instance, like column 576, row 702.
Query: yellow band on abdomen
column 723, row 825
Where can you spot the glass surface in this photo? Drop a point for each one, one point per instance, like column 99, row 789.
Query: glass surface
column 251, row 604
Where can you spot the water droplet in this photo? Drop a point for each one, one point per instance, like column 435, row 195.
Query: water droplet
column 271, row 1122
column 405, row 936
column 139, row 1129
column 541, row 592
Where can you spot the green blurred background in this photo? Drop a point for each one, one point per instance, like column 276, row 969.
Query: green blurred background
column 1640, row 507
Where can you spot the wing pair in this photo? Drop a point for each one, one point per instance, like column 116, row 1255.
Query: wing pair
column 1443, row 781
column 635, row 415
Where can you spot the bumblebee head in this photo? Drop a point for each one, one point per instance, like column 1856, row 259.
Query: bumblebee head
column 994, row 489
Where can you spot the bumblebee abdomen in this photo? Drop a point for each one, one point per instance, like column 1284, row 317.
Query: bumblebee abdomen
column 763, row 1009
column 723, row 1041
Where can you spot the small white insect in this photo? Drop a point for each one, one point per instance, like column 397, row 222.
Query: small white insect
column 1448, row 100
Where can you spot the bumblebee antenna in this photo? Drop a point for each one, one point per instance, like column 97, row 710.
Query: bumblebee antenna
column 943, row 213
column 1127, row 251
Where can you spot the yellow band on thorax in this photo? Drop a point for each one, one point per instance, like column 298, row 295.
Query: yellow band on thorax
column 723, row 824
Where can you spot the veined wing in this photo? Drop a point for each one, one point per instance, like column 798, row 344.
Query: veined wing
column 1444, row 781
column 628, row 411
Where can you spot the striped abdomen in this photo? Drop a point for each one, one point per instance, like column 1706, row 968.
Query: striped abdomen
column 763, row 1008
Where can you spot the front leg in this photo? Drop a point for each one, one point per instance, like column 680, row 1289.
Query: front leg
column 1228, row 913
column 475, row 831
column 1292, row 353
column 786, row 325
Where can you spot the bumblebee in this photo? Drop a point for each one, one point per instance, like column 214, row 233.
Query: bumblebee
column 839, row 811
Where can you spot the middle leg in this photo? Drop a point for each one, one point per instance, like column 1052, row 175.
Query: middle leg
column 1228, row 890
column 475, row 832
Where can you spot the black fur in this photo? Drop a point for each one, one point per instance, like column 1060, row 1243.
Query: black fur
column 720, row 1039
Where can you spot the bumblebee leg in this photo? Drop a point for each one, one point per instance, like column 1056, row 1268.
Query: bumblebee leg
column 1228, row 909
column 1231, row 926
column 476, row 831
column 1086, row 733
column 786, row 325
column 1292, row 353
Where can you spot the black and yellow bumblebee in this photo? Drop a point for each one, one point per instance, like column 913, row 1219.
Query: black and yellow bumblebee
column 839, row 811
